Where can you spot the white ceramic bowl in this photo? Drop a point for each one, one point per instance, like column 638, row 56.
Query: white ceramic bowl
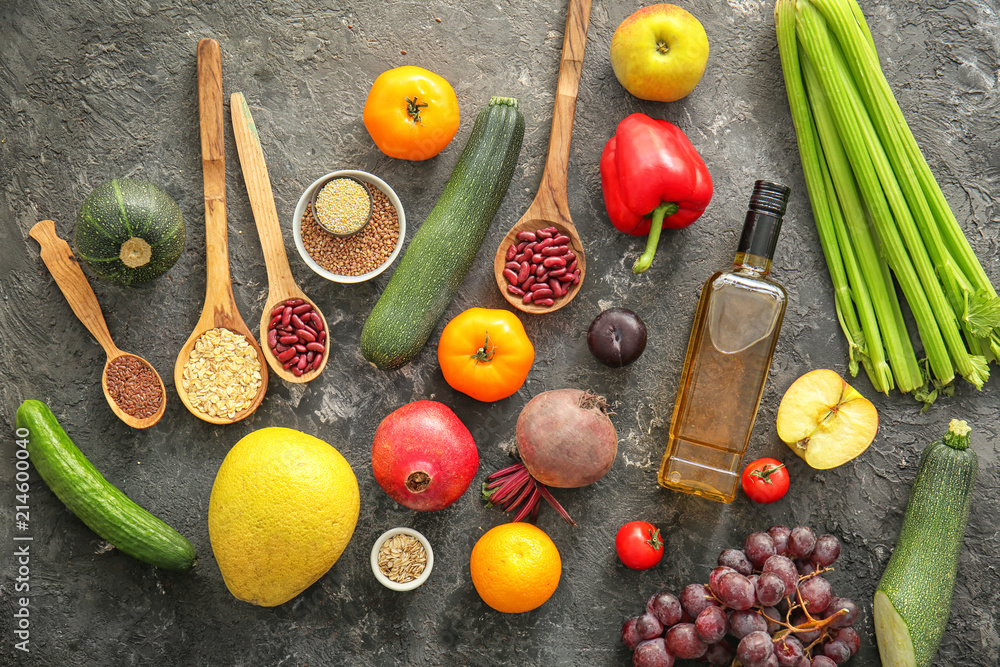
column 300, row 210
column 386, row 581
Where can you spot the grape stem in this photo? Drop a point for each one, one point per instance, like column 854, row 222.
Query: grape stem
column 810, row 624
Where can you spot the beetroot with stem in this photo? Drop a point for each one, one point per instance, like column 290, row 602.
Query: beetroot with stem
column 564, row 439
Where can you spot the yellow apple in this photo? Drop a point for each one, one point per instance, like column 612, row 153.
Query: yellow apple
column 659, row 53
column 825, row 420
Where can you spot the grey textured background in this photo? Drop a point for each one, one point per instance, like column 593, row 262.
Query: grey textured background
column 98, row 90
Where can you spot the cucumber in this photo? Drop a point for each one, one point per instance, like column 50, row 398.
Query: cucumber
column 913, row 598
column 443, row 249
column 98, row 503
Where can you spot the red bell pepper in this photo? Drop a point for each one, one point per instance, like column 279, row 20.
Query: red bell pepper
column 652, row 177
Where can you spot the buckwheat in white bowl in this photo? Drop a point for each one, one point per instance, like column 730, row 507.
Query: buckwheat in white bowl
column 356, row 258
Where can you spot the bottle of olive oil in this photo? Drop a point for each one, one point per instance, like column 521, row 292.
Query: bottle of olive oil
column 729, row 353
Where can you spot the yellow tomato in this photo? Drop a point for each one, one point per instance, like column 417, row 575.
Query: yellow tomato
column 411, row 113
column 485, row 353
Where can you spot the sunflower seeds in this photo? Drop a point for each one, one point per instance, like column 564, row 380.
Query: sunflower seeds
column 402, row 558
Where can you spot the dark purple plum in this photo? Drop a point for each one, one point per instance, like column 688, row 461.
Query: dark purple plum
column 617, row 337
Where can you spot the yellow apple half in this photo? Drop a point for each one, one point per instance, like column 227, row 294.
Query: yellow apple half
column 825, row 420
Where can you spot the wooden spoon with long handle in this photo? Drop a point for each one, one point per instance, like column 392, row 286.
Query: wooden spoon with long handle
column 63, row 266
column 281, row 286
column 550, row 206
column 220, row 309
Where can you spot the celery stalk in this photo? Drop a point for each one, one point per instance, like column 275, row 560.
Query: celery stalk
column 899, row 349
column 915, row 370
column 863, row 324
column 854, row 139
column 879, row 191
column 861, row 343
column 847, row 21
column 924, row 202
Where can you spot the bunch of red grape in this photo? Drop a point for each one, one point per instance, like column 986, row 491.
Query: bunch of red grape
column 767, row 605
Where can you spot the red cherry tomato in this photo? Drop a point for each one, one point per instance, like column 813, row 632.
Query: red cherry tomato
column 765, row 480
column 639, row 545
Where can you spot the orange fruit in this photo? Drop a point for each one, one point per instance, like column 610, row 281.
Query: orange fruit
column 515, row 567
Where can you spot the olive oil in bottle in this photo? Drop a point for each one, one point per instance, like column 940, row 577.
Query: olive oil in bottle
column 729, row 353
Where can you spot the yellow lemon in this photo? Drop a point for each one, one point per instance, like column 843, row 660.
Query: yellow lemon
column 283, row 508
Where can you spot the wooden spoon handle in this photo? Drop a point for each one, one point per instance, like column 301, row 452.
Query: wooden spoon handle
column 265, row 214
column 553, row 187
column 213, row 163
column 58, row 257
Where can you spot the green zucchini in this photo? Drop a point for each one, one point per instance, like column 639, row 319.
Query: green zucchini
column 443, row 249
column 98, row 503
column 913, row 598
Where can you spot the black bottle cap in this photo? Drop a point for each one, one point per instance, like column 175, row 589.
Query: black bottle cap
column 763, row 221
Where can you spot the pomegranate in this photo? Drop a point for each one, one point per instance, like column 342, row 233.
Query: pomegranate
column 423, row 456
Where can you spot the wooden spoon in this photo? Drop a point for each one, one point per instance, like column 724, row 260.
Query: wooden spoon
column 550, row 207
column 220, row 307
column 58, row 256
column 281, row 286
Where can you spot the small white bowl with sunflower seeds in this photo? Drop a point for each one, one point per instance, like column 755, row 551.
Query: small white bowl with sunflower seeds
column 341, row 254
column 402, row 559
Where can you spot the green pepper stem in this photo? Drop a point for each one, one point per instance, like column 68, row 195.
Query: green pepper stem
column 655, row 227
